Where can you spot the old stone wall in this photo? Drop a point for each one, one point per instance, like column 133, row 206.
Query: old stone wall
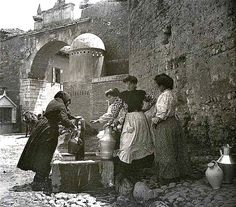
column 89, row 100
column 99, row 86
column 36, row 94
column 80, row 94
column 30, row 55
column 194, row 42
column 111, row 17
column 60, row 13
column 10, row 62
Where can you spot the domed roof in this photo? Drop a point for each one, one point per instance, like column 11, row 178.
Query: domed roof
column 87, row 40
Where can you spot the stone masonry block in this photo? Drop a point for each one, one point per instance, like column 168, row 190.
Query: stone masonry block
column 76, row 176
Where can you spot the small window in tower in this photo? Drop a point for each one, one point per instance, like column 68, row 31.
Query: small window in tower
column 56, row 75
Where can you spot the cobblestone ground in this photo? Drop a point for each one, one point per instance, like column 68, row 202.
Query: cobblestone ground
column 15, row 188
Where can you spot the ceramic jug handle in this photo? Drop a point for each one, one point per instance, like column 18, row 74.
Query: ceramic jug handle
column 215, row 163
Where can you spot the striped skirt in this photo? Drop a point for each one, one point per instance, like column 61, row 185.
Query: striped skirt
column 171, row 155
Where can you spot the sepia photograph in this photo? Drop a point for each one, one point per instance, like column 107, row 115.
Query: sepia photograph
column 118, row 103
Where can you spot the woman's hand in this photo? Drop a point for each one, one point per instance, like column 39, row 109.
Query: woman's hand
column 155, row 121
column 94, row 121
column 57, row 155
column 146, row 109
column 106, row 125
column 153, row 125
column 80, row 141
column 115, row 123
column 73, row 128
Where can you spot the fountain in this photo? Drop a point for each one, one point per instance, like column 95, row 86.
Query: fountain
column 79, row 170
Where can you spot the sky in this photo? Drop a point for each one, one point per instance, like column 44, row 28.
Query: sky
column 19, row 13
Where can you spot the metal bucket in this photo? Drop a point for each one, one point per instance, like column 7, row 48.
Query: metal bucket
column 229, row 172
column 107, row 144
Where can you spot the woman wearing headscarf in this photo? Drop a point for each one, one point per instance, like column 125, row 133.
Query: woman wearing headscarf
column 42, row 143
column 170, row 154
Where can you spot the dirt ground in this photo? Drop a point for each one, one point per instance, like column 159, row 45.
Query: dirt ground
column 15, row 187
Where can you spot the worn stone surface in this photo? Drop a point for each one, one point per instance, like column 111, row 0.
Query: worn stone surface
column 34, row 54
column 194, row 42
column 99, row 86
column 15, row 189
column 60, row 13
column 76, row 176
column 10, row 61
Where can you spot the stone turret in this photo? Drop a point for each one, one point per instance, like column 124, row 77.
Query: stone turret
column 38, row 17
column 39, row 11
column 86, row 58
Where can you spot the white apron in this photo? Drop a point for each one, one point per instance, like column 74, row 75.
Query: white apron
column 136, row 139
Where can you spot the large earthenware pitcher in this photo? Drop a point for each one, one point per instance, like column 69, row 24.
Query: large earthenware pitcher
column 107, row 144
column 214, row 174
column 227, row 164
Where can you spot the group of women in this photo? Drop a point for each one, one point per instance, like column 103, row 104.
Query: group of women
column 141, row 142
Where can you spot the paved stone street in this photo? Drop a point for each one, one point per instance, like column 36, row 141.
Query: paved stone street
column 15, row 188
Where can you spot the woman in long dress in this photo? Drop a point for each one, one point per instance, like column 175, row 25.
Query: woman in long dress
column 136, row 144
column 171, row 156
column 42, row 143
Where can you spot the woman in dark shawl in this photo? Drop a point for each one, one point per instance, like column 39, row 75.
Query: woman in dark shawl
column 42, row 143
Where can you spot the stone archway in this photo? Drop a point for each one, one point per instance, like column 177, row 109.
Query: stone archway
column 42, row 58
column 44, row 80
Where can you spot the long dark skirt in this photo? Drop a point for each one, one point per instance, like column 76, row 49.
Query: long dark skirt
column 171, row 157
column 39, row 149
column 132, row 171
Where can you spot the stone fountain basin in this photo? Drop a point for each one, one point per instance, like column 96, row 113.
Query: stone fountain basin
column 88, row 156
column 69, row 175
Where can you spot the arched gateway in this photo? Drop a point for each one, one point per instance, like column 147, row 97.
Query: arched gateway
column 45, row 76
column 57, row 65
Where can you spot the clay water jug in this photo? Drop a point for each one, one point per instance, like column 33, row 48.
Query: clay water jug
column 214, row 175
column 107, row 144
column 227, row 164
